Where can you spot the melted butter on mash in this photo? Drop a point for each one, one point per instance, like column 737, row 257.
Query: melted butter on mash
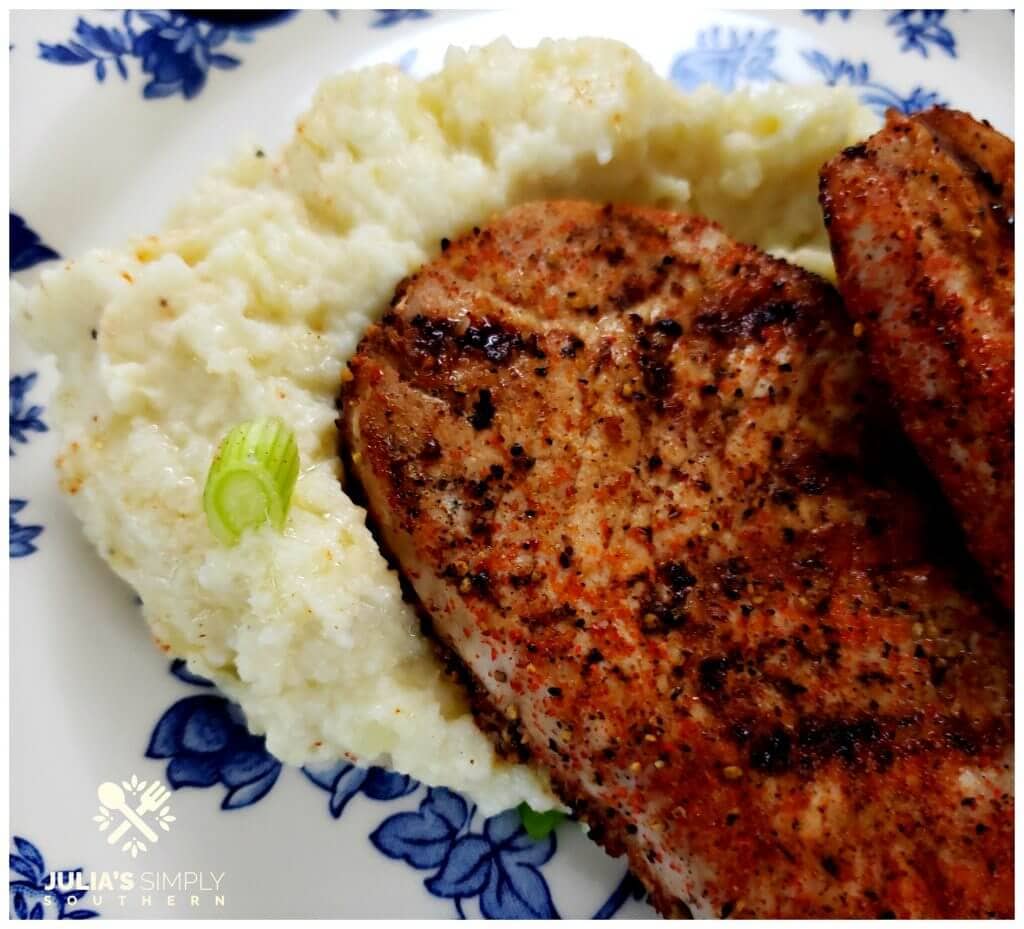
column 257, row 292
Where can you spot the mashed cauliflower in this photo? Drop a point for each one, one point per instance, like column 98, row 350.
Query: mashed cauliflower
column 257, row 292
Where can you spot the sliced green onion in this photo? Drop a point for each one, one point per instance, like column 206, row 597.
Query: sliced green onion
column 539, row 825
column 251, row 479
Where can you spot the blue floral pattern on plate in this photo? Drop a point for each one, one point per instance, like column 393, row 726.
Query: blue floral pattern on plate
column 175, row 50
column 26, row 248
column 921, row 28
column 29, row 897
column 387, row 18
column 726, row 57
column 821, row 16
column 918, row 29
column 24, row 418
column 627, row 888
column 22, row 537
column 873, row 93
column 343, row 781
column 497, row 863
column 207, row 742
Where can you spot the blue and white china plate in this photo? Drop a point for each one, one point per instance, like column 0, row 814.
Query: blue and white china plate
column 113, row 116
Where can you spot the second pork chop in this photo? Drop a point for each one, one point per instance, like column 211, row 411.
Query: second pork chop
column 620, row 458
column 920, row 217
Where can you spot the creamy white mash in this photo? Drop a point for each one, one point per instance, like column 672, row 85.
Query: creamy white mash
column 257, row 292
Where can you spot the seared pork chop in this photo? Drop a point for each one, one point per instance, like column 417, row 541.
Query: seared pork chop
column 921, row 222
column 620, row 458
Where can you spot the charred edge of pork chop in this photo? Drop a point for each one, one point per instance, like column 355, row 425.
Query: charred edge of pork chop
column 410, row 366
column 920, row 219
column 505, row 733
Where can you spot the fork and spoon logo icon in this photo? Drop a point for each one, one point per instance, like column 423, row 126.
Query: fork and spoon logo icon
column 136, row 801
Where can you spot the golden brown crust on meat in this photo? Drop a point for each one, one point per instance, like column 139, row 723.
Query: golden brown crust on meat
column 621, row 460
column 921, row 222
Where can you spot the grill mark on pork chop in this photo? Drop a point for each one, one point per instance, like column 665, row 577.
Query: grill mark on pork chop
column 921, row 224
column 695, row 605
